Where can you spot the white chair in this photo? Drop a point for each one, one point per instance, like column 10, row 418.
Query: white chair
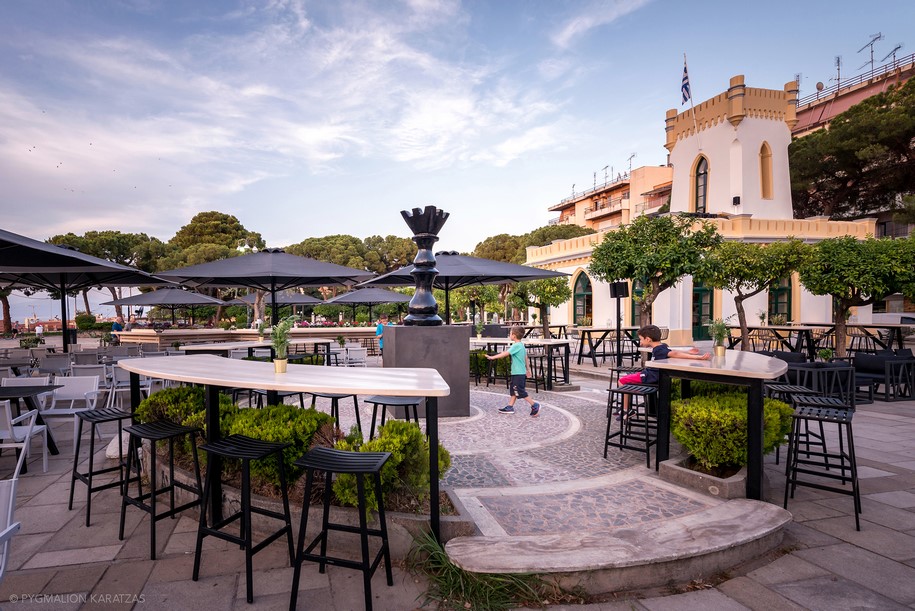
column 9, row 527
column 80, row 392
column 27, row 381
column 337, row 354
column 356, row 356
column 238, row 353
column 152, row 353
column 19, row 436
column 120, row 385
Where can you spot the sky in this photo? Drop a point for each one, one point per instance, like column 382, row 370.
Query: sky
column 310, row 118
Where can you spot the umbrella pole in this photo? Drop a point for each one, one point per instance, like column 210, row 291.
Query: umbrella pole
column 275, row 313
column 447, row 307
column 370, row 315
column 173, row 315
column 63, row 312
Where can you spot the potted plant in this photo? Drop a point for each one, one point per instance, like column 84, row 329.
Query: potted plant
column 762, row 317
column 260, row 330
column 341, row 340
column 479, row 327
column 280, row 338
column 718, row 329
column 534, row 318
column 584, row 321
column 825, row 354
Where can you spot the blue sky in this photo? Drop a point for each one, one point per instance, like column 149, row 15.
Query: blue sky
column 312, row 118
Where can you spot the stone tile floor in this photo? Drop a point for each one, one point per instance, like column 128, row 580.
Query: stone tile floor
column 526, row 476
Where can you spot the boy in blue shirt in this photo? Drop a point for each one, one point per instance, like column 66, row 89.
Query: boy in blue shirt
column 518, row 356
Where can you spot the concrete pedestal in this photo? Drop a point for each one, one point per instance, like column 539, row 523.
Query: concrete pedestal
column 444, row 348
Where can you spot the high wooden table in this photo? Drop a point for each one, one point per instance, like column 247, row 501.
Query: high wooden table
column 738, row 368
column 215, row 373
column 29, row 394
column 593, row 337
column 895, row 335
column 803, row 340
column 224, row 348
column 562, row 345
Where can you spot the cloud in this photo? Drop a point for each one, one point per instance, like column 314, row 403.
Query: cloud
column 595, row 15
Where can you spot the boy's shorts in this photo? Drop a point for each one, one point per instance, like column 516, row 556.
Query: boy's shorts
column 631, row 378
column 517, row 386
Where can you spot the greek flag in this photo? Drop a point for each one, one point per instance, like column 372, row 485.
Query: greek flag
column 684, row 88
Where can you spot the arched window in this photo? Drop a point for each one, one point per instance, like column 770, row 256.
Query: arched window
column 765, row 171
column 701, row 190
column 583, row 301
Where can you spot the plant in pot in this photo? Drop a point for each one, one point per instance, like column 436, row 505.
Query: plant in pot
column 280, row 340
column 762, row 317
column 825, row 354
column 718, row 330
column 341, row 340
column 479, row 328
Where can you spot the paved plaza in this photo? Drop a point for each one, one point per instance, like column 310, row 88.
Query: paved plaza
column 514, row 476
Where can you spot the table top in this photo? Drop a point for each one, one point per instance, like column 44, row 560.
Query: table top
column 235, row 373
column 804, row 327
column 23, row 362
column 734, row 363
column 527, row 341
column 870, row 325
column 18, row 392
column 227, row 346
column 609, row 329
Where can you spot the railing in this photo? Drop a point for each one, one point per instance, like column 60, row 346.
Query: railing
column 856, row 80
column 624, row 177
column 605, row 207
column 569, row 220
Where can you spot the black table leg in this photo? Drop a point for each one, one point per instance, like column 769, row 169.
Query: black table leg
column 32, row 403
column 549, row 368
column 135, row 395
column 211, row 403
column 662, row 449
column 432, row 432
column 755, row 440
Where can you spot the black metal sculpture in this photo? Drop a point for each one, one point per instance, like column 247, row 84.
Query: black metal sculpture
column 425, row 225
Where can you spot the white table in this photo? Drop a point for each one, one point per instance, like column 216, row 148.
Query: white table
column 224, row 348
column 738, row 368
column 215, row 372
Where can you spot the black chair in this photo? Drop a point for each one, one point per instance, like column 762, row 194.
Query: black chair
column 154, row 432
column 384, row 402
column 635, row 403
column 479, row 366
column 537, row 364
column 245, row 449
column 896, row 373
column 261, row 396
column 335, row 405
column 359, row 464
column 95, row 417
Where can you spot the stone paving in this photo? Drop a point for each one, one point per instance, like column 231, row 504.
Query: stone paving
column 515, row 475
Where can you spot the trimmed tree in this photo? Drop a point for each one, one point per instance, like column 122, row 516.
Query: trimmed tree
column 658, row 251
column 747, row 269
column 858, row 273
column 541, row 294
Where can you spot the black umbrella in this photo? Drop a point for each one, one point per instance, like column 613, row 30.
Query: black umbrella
column 456, row 271
column 25, row 263
column 369, row 296
column 167, row 297
column 283, row 299
column 268, row 270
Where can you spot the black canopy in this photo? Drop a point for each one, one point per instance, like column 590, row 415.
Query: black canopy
column 369, row 296
column 25, row 262
column 285, row 298
column 457, row 271
column 268, row 270
column 168, row 298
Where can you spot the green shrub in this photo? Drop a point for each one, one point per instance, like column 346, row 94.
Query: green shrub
column 172, row 404
column 406, row 472
column 84, row 322
column 279, row 424
column 714, row 428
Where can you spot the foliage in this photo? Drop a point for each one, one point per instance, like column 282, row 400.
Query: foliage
column 714, row 428
column 825, row 354
column 216, row 228
column 375, row 253
column 454, row 588
column 512, row 249
column 84, row 321
column 279, row 335
column 5, row 306
column 718, row 330
column 279, row 424
column 175, row 404
column 479, row 326
column 406, row 471
column 861, row 163
column 657, row 251
column 31, row 341
column 857, row 273
column 483, row 298
column 542, row 294
column 746, row 269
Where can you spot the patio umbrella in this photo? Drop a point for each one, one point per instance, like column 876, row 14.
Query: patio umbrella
column 369, row 296
column 268, row 270
column 457, row 271
column 285, row 298
column 25, row 263
column 169, row 298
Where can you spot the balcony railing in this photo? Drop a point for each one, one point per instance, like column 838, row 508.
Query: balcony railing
column 605, row 207
column 857, row 80
column 559, row 220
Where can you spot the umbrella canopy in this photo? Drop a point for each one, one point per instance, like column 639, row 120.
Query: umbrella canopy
column 457, row 271
column 25, row 262
column 369, row 296
column 169, row 298
column 283, row 299
column 268, row 270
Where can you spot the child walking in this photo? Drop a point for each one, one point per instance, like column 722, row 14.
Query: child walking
column 518, row 356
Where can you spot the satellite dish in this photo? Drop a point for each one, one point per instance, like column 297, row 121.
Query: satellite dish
column 820, row 86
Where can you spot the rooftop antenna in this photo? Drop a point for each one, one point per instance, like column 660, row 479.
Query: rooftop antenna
column 595, row 179
column 797, row 79
column 873, row 41
column 605, row 173
column 573, row 189
column 630, row 163
column 893, row 53
column 838, row 78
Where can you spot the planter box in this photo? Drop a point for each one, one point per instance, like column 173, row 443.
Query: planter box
column 734, row 487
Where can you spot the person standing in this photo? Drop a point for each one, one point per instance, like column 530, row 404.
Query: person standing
column 518, row 355
column 379, row 331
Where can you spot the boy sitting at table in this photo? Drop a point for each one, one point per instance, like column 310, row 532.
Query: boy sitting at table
column 650, row 337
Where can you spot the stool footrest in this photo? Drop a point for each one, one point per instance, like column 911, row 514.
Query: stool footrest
column 138, row 502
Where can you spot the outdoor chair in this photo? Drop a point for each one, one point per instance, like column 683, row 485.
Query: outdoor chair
column 30, row 381
column 54, row 364
column 895, row 373
column 638, row 423
column 86, row 357
column 9, row 527
column 6, row 372
column 238, row 353
column 384, row 402
column 76, row 394
column 356, row 356
column 536, row 367
column 153, row 353
column 335, row 406
column 120, row 385
column 15, row 434
column 18, row 353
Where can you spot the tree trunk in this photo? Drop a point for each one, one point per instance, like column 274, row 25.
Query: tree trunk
column 86, row 301
column 545, row 319
column 7, row 319
column 841, row 328
column 742, row 320
column 114, row 295
column 645, row 311
column 259, row 308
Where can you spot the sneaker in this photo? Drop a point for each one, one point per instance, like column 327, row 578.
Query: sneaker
column 508, row 409
column 535, row 410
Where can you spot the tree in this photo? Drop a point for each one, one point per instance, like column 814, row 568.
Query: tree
column 216, row 228
column 475, row 297
column 657, row 251
column 512, row 249
column 345, row 250
column 385, row 254
column 747, row 269
column 858, row 273
column 862, row 162
column 5, row 303
column 542, row 294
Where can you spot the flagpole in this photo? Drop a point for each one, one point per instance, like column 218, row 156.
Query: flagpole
column 693, row 108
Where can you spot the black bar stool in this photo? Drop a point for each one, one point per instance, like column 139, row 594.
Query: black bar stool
column 536, row 363
column 95, row 417
column 639, row 423
column 154, row 432
column 245, row 449
column 335, row 405
column 385, row 402
column 359, row 464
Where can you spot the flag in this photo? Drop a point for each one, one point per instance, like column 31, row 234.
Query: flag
column 684, row 88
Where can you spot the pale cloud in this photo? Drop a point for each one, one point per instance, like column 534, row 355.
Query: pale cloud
column 594, row 15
